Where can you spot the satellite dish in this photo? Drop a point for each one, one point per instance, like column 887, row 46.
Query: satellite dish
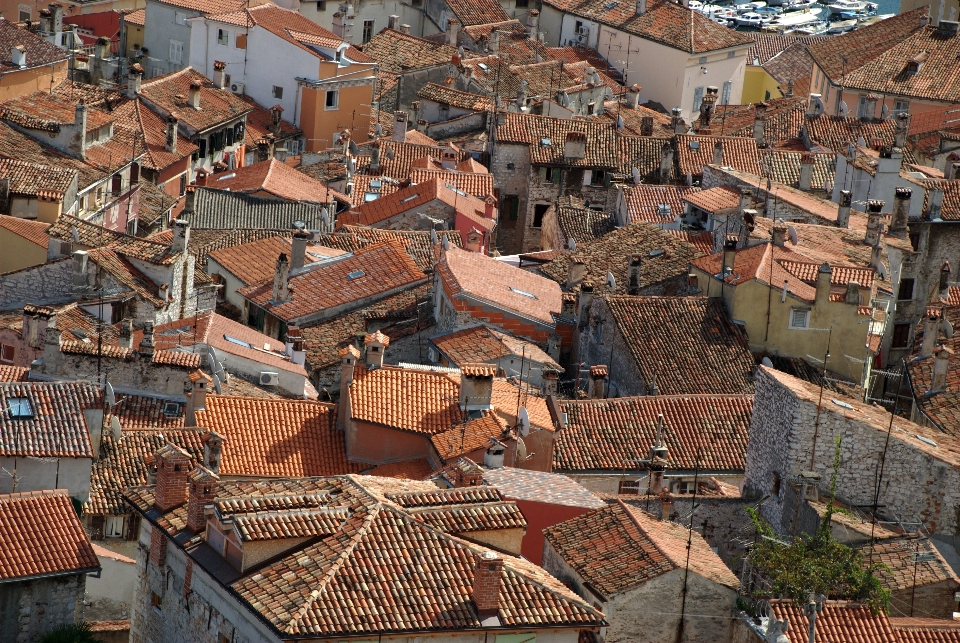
column 947, row 328
column 390, row 153
column 521, row 450
column 523, row 419
column 571, row 244
column 433, row 236
column 76, row 234
column 211, row 362
column 620, row 123
column 881, row 269
column 336, row 139
column 446, row 242
column 216, row 385
column 766, row 362
column 611, row 282
column 378, row 130
column 884, row 112
column 792, row 233
column 844, row 110
column 115, row 428
column 353, row 148
column 108, row 395
column 637, row 179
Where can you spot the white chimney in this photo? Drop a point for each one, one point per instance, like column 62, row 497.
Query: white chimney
column 18, row 54
column 193, row 98
column 219, row 74
column 941, row 362
column 931, row 329
column 476, row 386
column 181, row 236
column 134, row 78
column 453, row 31
column 399, row 127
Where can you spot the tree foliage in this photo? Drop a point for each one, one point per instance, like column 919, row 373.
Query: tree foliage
column 816, row 564
column 68, row 633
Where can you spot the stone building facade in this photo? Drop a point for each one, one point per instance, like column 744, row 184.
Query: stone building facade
column 30, row 608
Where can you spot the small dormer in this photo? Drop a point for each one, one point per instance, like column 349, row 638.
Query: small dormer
column 915, row 63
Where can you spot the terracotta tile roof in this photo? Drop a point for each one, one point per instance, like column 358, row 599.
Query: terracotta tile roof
column 277, row 437
column 259, row 125
column 41, row 535
column 644, row 202
column 702, row 240
column 470, row 436
column 362, row 186
column 293, row 523
column 838, row 621
column 485, row 344
column 695, row 151
column 445, row 497
column 417, row 401
column 475, row 184
column 619, row 547
column 722, row 197
column 168, row 93
column 701, row 333
column 540, row 486
column 588, row 55
column 416, row 196
column 473, row 276
column 664, row 22
column 417, row 469
column 207, row 6
column 925, row 630
column 56, row 425
column 612, row 252
column 508, row 398
column 14, row 373
column 44, row 111
column 39, row 52
column 33, row 231
column 910, row 562
column 286, row 24
column 768, row 45
column 275, row 178
column 139, row 411
column 501, row 75
column 644, row 153
column 397, row 52
column 794, row 64
column 463, row 520
column 782, row 119
column 455, row 98
column 632, row 119
column 136, row 17
column 417, row 242
column 140, row 120
column 784, row 167
column 399, row 312
column 942, row 408
column 834, row 132
column 256, row 262
column 386, row 267
column 476, row 12
column 580, row 223
column 127, row 274
column 849, row 52
column 602, row 435
column 546, row 136
column 36, row 180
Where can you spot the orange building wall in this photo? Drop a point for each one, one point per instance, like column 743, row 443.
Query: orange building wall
column 378, row 444
column 541, row 515
column 320, row 124
column 20, row 83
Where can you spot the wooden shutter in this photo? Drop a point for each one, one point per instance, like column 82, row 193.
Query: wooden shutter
column 133, row 526
column 96, row 528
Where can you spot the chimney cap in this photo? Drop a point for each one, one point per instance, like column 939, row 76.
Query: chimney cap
column 350, row 350
column 377, row 337
column 598, row 371
column 219, row 65
column 198, row 375
column 875, row 206
column 195, row 84
column 489, row 555
column 478, row 369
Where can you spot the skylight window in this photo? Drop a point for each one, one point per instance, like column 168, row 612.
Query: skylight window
column 523, row 292
column 844, row 405
column 172, row 409
column 356, row 274
column 694, row 145
column 453, row 189
column 370, row 196
column 238, row 342
column 655, row 253
column 20, row 407
column 926, row 440
column 409, row 198
column 545, row 142
column 376, row 184
column 227, row 176
column 483, row 66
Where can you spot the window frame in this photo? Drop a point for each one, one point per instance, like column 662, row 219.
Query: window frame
column 904, row 284
column 175, row 46
column 4, row 351
column 900, row 331
column 223, row 37
column 336, row 100
column 277, row 92
column 794, row 311
column 368, row 30
column 111, row 528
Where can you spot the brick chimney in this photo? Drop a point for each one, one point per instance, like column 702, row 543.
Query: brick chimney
column 901, row 212
column 941, row 362
column 843, row 212
column 173, row 466
column 134, row 78
column 196, row 396
column 598, row 375
column 486, row 584
column 193, row 98
column 900, row 130
column 202, row 492
column 281, row 280
column 171, row 143
column 201, row 177
column 634, row 265
column 219, row 74
column 348, row 362
column 467, row 474
column 476, row 386
column 298, row 249
column 823, row 282
column 399, row 127
column 375, row 345
column 805, row 182
column 212, row 450
column 874, row 223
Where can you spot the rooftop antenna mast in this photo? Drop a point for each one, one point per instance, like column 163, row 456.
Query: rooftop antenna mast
column 883, row 459
column 686, row 572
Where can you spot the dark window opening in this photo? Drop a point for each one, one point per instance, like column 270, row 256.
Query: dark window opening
column 539, row 210
column 901, row 335
column 906, row 290
column 134, row 173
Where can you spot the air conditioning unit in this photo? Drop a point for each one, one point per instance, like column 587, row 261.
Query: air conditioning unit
column 583, row 32
column 237, row 88
column 269, row 379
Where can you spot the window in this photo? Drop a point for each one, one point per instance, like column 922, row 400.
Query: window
column 20, row 407
column 775, row 487
column 223, row 37
column 134, row 173
column 202, row 143
column 703, row 60
column 591, row 108
column 176, row 51
column 631, row 487
column 156, row 601
column 862, row 108
column 183, row 184
column 277, row 92
column 901, row 336
column 697, row 98
column 180, row 18
column 367, row 30
column 901, row 107
column 550, row 174
column 731, row 54
column 539, row 210
column 599, row 177
column 113, row 527
column 223, row 639
column 25, row 12
column 240, row 42
column 727, row 88
column 906, row 290
column 766, row 95
column 116, row 185
column 333, row 99
column 7, row 353
column 799, row 317
column 511, row 205
column 915, row 241
column 444, row 111
column 322, row 5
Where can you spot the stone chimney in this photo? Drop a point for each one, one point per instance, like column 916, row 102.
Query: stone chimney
column 576, row 271
column 374, row 156
column 853, row 293
column 666, row 163
column 146, row 344
column 348, row 362
column 941, row 362
column 163, row 292
column 746, row 200
column 281, row 280
column 493, row 456
column 575, row 145
column 405, row 28
column 533, row 23
column 134, row 78
column 718, row 153
column 399, row 127
column 476, row 386
column 584, row 299
column 80, row 123
column 173, row 467
column 729, row 260
column 125, row 339
column 196, row 396
column 298, row 249
column 56, row 13
column 823, row 282
column 193, row 97
column 676, row 122
column 375, row 345
column 493, row 44
column 666, row 504
column 219, row 74
column 79, row 269
column 874, row 223
column 779, row 233
column 931, row 332
column 453, row 31
column 171, row 143
column 934, row 204
column 598, row 376
column 646, row 126
column 486, row 584
column 633, row 274
column 212, row 450
column 759, row 122
column 843, row 212
column 901, row 126
column 944, row 285
column 805, row 182
column 901, row 212
column 202, row 492
column 181, row 236
column 393, row 22
column 549, row 381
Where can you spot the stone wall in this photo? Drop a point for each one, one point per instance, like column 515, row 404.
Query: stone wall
column 50, row 283
column 513, row 182
column 30, row 608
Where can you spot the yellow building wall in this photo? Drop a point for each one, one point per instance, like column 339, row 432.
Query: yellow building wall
column 17, row 253
column 49, row 211
column 756, row 83
column 134, row 37
column 750, row 301
column 320, row 124
column 15, row 84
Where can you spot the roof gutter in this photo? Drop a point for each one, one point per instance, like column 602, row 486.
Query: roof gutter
column 72, row 572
